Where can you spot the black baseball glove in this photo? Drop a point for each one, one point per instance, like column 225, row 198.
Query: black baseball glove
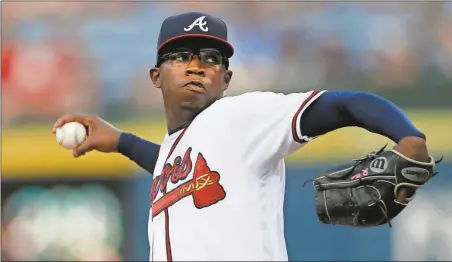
column 364, row 193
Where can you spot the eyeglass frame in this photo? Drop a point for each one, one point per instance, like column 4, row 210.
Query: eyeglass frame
column 161, row 58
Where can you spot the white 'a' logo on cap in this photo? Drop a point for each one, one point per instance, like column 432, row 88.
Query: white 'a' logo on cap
column 200, row 23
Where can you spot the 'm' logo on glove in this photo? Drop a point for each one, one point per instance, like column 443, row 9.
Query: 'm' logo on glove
column 379, row 164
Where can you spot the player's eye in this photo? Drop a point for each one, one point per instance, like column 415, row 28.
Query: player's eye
column 211, row 57
column 179, row 56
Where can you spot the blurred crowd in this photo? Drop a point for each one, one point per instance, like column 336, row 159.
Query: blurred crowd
column 94, row 57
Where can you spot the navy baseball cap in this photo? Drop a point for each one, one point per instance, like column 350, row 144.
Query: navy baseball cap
column 194, row 25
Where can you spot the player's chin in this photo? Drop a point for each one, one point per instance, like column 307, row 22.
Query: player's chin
column 193, row 106
column 197, row 103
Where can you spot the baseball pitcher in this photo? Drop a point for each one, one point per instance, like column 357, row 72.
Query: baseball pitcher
column 219, row 173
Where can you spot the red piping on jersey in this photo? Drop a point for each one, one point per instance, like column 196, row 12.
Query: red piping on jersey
column 297, row 115
column 169, row 255
column 175, row 143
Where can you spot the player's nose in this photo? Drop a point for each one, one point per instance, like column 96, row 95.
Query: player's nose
column 194, row 67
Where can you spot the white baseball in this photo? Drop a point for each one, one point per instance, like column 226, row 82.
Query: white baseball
column 71, row 135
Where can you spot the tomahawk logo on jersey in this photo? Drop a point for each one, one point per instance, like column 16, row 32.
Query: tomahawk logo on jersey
column 204, row 186
column 217, row 179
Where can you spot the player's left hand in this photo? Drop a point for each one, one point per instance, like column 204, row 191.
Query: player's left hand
column 374, row 189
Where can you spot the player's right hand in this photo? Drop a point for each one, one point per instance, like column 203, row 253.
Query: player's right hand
column 102, row 136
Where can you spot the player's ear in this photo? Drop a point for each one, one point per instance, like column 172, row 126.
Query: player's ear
column 154, row 73
column 227, row 78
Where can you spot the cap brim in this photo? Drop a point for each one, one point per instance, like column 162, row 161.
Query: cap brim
column 222, row 44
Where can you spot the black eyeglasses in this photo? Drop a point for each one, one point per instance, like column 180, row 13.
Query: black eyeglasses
column 208, row 56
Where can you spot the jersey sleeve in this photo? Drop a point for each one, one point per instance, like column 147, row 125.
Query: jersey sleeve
column 266, row 126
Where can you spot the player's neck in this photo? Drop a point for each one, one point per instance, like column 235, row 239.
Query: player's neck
column 179, row 119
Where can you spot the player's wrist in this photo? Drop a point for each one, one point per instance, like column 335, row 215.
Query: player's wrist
column 413, row 147
column 124, row 143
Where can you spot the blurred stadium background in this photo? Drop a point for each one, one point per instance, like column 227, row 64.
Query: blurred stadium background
column 94, row 57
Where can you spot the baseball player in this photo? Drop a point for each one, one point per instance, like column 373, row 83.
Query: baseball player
column 219, row 173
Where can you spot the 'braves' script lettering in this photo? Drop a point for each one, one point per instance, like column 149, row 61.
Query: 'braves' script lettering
column 175, row 172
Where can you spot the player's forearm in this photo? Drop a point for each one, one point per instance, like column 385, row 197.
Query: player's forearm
column 341, row 109
column 142, row 152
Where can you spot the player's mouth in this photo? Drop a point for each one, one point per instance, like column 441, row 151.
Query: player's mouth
column 195, row 86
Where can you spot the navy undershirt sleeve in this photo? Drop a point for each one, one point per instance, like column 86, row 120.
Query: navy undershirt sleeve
column 142, row 152
column 337, row 109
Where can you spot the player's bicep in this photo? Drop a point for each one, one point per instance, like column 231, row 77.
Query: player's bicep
column 326, row 114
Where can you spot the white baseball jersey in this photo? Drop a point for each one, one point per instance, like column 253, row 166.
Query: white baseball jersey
column 218, row 187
